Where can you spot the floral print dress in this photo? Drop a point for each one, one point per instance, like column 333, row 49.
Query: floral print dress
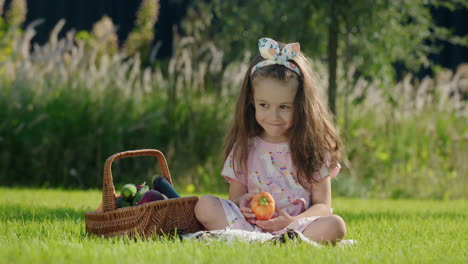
column 270, row 169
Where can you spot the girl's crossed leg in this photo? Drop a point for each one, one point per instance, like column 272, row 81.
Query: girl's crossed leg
column 210, row 214
column 326, row 229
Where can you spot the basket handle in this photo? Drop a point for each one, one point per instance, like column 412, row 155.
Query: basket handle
column 108, row 189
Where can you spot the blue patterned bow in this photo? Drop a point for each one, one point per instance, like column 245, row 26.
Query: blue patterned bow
column 270, row 51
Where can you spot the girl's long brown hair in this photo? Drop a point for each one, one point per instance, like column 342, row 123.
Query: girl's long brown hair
column 313, row 138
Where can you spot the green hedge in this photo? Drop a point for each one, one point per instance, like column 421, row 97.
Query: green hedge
column 63, row 137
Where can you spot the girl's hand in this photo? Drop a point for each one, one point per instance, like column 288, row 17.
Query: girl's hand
column 244, row 206
column 277, row 223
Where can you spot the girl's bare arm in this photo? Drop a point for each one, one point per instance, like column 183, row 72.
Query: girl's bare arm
column 239, row 195
column 236, row 190
column 321, row 200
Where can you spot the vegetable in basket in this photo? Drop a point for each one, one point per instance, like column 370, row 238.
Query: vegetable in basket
column 141, row 191
column 161, row 185
column 129, row 192
column 151, row 196
column 122, row 203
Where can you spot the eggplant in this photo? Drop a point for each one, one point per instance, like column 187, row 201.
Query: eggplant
column 151, row 196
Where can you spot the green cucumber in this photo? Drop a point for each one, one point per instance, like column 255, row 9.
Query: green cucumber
column 129, row 192
column 140, row 194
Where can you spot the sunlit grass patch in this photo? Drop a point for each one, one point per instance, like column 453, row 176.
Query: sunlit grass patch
column 47, row 226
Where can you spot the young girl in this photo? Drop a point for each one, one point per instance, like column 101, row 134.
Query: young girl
column 283, row 142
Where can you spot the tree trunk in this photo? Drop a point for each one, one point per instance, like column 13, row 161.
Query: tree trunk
column 332, row 56
column 348, row 76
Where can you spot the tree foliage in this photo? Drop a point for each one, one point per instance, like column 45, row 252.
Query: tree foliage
column 372, row 35
column 141, row 38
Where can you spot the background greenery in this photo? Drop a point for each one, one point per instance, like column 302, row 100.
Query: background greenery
column 68, row 105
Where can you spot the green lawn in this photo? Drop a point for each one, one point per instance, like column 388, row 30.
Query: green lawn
column 47, row 226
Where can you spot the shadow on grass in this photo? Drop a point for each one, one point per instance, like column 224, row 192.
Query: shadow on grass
column 8, row 212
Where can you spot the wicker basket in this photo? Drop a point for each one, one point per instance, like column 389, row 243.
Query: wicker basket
column 154, row 218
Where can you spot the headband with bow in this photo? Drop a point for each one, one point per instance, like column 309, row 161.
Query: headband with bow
column 270, row 51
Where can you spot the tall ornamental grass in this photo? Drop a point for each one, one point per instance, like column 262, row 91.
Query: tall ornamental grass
column 64, row 110
column 406, row 140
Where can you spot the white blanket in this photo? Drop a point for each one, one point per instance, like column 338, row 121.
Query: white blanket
column 233, row 235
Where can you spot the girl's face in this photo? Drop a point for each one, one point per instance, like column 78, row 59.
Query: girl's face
column 273, row 100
